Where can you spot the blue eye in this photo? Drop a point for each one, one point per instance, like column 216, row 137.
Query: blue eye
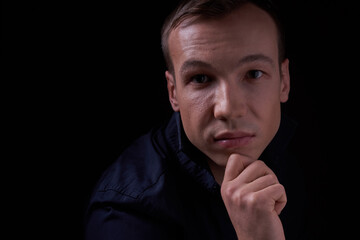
column 200, row 78
column 254, row 74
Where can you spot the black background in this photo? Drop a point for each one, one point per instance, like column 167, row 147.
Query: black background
column 82, row 79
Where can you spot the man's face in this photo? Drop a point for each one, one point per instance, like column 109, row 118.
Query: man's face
column 227, row 83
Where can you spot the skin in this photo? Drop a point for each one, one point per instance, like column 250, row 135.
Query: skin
column 228, row 86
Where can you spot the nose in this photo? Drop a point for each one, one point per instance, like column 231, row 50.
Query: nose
column 230, row 102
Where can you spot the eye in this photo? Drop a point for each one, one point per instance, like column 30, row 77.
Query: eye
column 200, row 78
column 254, row 74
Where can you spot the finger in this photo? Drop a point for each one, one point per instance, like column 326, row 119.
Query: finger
column 235, row 165
column 254, row 171
column 278, row 195
column 261, row 183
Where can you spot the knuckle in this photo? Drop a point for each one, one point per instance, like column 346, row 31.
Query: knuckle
column 254, row 199
column 240, row 200
column 284, row 191
column 260, row 163
column 234, row 195
column 227, row 191
column 280, row 187
column 272, row 178
column 252, row 202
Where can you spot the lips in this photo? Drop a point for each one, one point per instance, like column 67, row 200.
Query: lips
column 233, row 139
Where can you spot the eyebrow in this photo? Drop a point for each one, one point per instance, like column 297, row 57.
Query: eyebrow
column 256, row 58
column 247, row 59
column 192, row 64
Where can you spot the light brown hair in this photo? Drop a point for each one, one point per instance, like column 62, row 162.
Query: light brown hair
column 190, row 10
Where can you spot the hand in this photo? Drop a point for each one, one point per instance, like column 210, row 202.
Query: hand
column 253, row 198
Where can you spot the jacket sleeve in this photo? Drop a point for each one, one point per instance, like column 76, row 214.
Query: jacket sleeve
column 108, row 223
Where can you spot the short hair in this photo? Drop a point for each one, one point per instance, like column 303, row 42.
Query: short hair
column 194, row 9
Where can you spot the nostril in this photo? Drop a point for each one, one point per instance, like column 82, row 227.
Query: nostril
column 230, row 109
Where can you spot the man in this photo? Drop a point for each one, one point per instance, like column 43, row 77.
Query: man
column 218, row 169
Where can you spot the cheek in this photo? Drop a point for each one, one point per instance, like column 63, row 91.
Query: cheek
column 267, row 98
column 195, row 103
column 196, row 112
column 269, row 112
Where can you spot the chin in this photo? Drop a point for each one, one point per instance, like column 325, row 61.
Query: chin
column 221, row 159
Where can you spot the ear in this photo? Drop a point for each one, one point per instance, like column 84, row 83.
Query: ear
column 172, row 91
column 285, row 81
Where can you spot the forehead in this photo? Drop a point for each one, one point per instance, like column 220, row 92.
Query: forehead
column 247, row 30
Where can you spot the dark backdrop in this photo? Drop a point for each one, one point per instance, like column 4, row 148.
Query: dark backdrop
column 86, row 78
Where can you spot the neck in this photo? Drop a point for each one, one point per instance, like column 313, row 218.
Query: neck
column 217, row 171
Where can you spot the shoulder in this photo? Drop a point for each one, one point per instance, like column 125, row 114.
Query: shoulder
column 139, row 168
column 135, row 197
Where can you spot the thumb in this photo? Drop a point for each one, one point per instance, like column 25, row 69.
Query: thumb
column 235, row 165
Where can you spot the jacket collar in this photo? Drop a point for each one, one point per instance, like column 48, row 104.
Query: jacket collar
column 196, row 163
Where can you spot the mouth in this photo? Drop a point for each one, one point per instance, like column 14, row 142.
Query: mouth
column 231, row 140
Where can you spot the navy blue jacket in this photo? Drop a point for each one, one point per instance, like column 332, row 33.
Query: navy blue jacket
column 161, row 188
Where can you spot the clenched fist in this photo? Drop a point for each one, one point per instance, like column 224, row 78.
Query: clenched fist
column 253, row 198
